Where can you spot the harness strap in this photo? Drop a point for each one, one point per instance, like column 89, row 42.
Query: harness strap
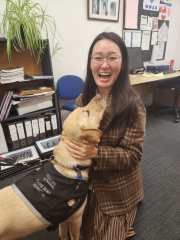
column 13, row 162
column 6, row 161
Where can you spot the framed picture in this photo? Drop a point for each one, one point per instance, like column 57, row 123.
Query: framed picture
column 106, row 10
column 48, row 144
column 24, row 154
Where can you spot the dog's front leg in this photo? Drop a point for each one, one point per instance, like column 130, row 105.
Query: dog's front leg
column 75, row 221
column 63, row 230
column 74, row 227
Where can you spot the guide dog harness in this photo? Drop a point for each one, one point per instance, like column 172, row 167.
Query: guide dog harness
column 50, row 195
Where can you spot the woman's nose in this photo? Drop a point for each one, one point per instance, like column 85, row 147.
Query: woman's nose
column 105, row 62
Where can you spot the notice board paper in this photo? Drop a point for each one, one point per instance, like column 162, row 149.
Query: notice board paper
column 131, row 14
column 145, row 40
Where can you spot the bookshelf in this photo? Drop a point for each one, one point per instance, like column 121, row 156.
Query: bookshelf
column 44, row 67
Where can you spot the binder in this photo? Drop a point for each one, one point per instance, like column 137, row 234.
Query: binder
column 47, row 121
column 42, row 132
column 14, row 136
column 35, row 128
column 54, row 125
column 3, row 148
column 21, row 134
column 28, row 130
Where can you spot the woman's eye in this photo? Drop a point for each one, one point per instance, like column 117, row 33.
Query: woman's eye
column 98, row 58
column 112, row 58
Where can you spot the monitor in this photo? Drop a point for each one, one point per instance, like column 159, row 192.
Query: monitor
column 135, row 58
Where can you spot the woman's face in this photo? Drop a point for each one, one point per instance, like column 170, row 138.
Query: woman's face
column 105, row 75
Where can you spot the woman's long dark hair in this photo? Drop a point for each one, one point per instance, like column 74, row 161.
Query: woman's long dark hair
column 124, row 98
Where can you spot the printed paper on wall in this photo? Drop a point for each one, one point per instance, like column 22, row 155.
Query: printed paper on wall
column 152, row 5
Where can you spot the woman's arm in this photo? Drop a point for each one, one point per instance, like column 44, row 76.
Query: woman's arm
column 128, row 151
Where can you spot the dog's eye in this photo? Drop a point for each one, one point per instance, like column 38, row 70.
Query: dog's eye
column 88, row 112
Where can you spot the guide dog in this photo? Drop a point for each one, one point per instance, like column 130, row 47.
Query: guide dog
column 16, row 218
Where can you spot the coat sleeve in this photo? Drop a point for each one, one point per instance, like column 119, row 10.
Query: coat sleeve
column 128, row 151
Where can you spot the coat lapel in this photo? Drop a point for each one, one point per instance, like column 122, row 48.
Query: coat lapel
column 108, row 114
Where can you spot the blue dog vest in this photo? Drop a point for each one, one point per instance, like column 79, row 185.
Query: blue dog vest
column 50, row 195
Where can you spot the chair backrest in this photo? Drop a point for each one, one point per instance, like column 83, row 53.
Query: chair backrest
column 70, row 87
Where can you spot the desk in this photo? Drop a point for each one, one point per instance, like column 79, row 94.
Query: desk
column 139, row 79
column 145, row 85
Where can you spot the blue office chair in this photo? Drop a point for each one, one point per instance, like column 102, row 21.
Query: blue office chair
column 69, row 87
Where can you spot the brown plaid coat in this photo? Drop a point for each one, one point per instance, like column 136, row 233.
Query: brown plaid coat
column 117, row 180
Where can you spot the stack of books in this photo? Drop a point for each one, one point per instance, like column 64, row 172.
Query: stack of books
column 26, row 100
column 30, row 99
column 11, row 75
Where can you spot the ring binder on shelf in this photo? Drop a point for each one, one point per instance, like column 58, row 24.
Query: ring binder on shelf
column 21, row 134
column 14, row 136
column 54, row 125
column 28, row 129
column 35, row 129
column 48, row 126
column 42, row 132
column 3, row 144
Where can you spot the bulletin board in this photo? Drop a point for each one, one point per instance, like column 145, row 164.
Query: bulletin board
column 146, row 54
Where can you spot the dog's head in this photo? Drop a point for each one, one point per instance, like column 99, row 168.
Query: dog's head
column 83, row 122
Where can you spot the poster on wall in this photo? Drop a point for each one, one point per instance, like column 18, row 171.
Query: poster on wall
column 106, row 10
column 167, row 1
column 152, row 5
column 164, row 11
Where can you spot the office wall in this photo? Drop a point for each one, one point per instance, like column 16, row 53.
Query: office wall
column 177, row 54
column 77, row 34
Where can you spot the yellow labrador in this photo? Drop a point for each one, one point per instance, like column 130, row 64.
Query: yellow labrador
column 16, row 218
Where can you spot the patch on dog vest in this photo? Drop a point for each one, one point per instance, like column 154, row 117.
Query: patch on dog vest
column 50, row 195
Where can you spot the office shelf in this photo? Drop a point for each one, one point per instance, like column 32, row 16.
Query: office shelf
column 31, row 68
column 17, row 117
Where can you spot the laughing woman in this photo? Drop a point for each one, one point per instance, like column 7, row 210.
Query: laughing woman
column 116, row 182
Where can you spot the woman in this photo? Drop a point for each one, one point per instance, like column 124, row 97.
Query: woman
column 115, row 174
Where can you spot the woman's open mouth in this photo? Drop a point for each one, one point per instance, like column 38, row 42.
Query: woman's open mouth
column 104, row 76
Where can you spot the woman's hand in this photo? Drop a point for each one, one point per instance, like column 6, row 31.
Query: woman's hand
column 80, row 150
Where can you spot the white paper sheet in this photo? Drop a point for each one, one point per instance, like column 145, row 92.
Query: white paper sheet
column 145, row 40
column 163, row 33
column 152, row 5
column 154, row 54
column 154, row 38
column 149, row 23
column 160, row 50
column 143, row 25
column 127, row 38
column 136, row 38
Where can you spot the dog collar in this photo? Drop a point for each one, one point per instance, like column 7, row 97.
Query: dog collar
column 80, row 167
column 78, row 170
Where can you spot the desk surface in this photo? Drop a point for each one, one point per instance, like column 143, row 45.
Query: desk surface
column 139, row 79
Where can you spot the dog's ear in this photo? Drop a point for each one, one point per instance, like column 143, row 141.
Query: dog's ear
column 91, row 134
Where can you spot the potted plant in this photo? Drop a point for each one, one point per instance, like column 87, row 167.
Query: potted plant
column 23, row 22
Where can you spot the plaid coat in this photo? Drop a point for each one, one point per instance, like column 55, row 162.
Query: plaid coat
column 116, row 179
